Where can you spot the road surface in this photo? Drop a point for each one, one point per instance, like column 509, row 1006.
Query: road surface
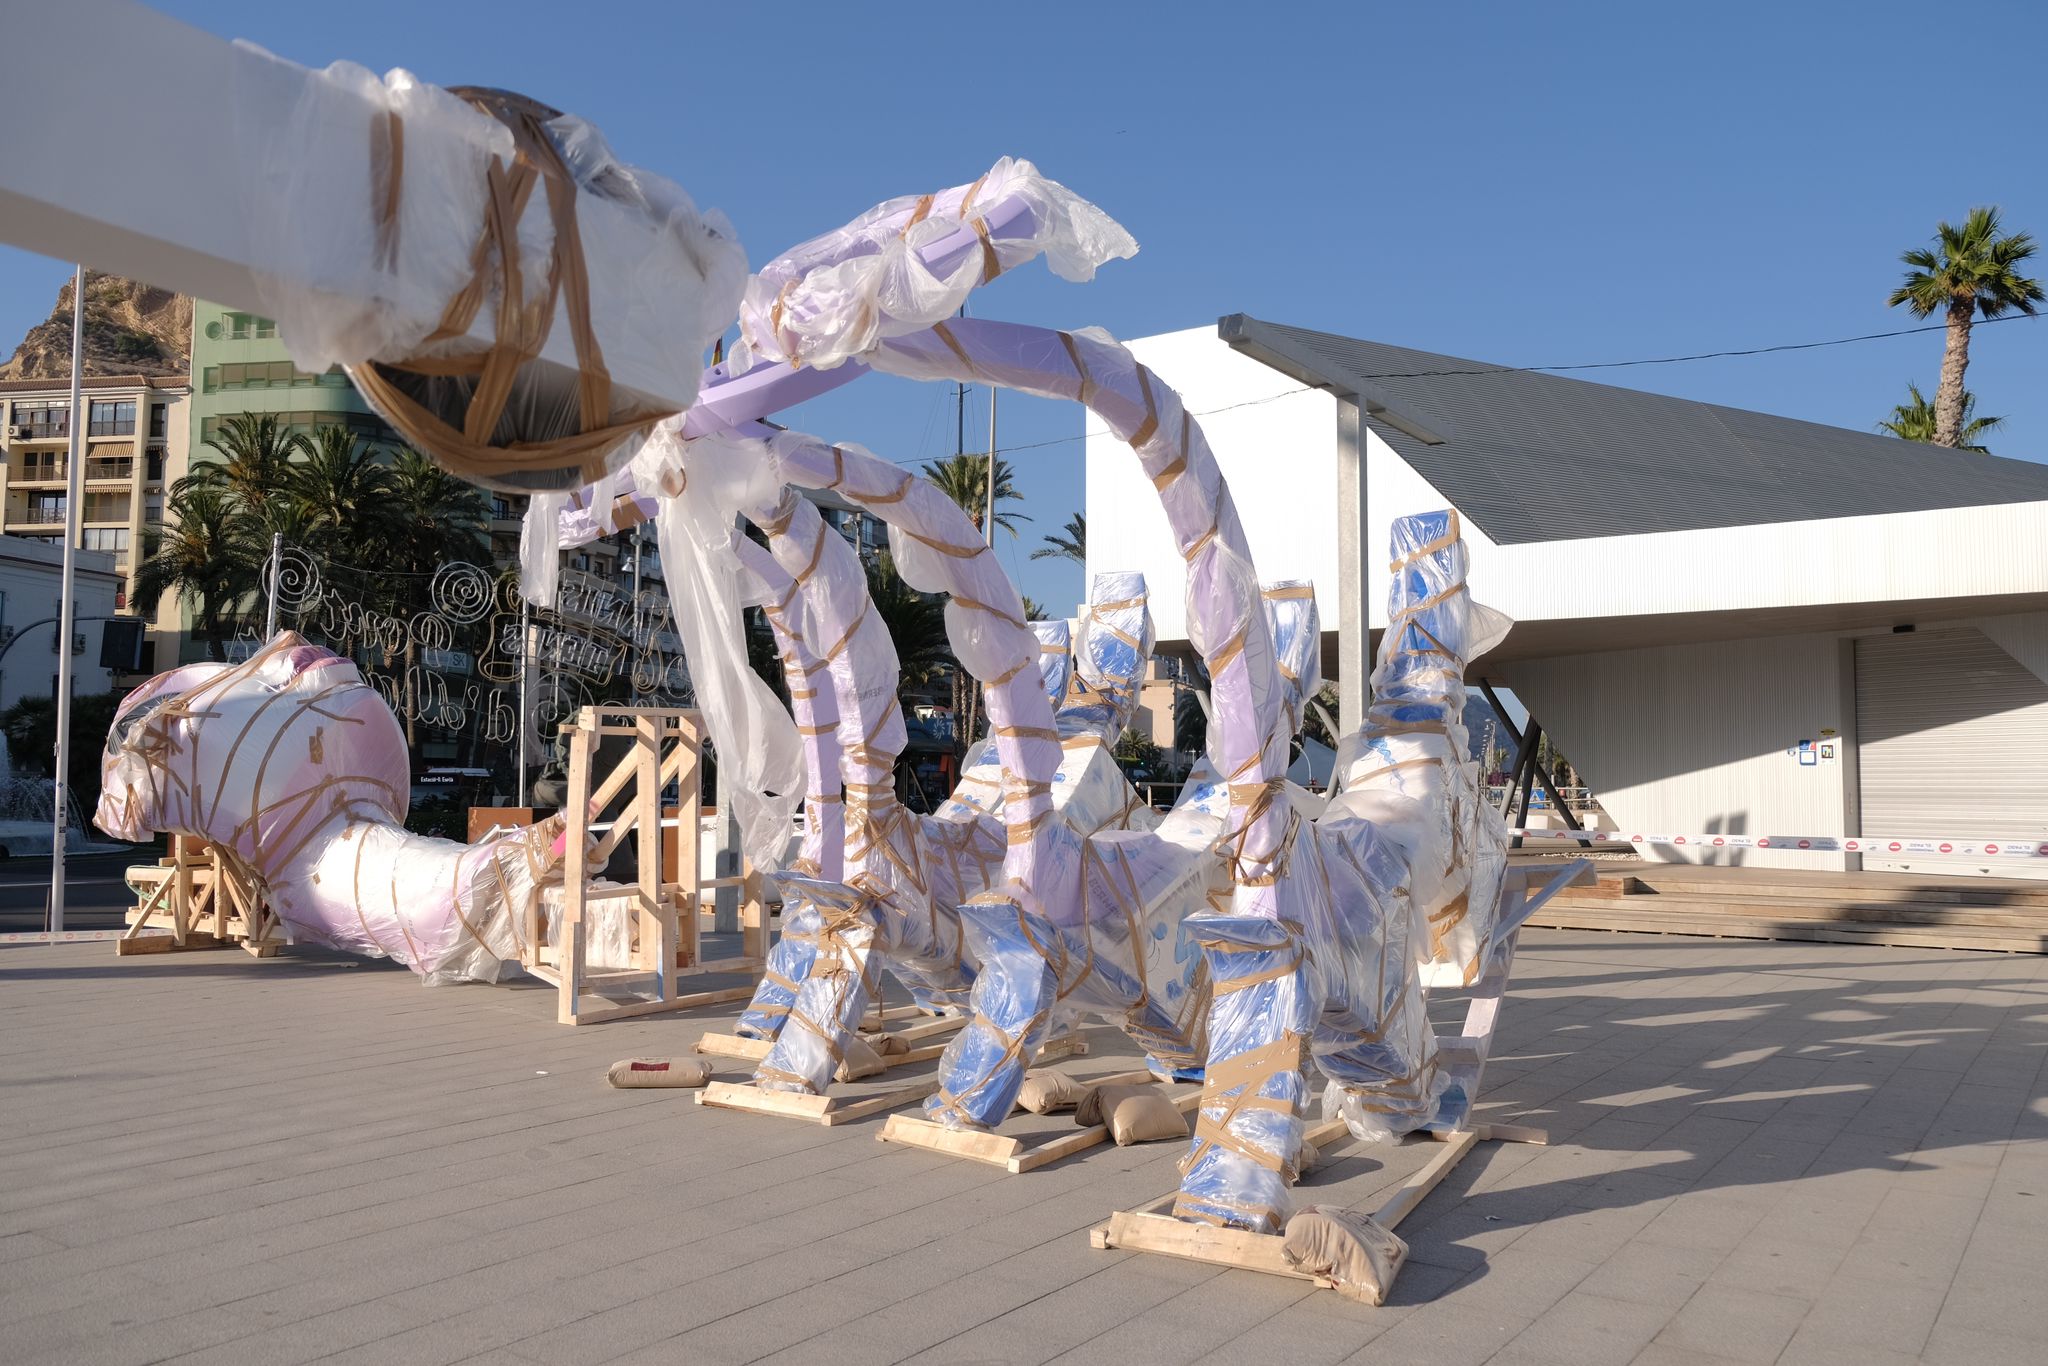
column 95, row 895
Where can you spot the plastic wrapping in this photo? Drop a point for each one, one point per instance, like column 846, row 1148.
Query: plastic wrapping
column 1248, row 1129
column 759, row 753
column 295, row 768
column 837, row 296
column 1115, row 950
column 1410, row 772
column 822, row 852
column 372, row 208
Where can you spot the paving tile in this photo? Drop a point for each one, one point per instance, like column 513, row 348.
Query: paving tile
column 1823, row 1153
column 1745, row 1325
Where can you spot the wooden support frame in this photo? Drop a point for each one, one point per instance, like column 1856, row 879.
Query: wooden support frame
column 198, row 897
column 845, row 1108
column 1152, row 1228
column 1149, row 1228
column 666, row 932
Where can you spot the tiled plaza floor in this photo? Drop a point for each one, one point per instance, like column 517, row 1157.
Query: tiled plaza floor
column 1760, row 1153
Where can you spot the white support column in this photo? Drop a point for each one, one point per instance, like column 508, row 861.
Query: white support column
column 1354, row 617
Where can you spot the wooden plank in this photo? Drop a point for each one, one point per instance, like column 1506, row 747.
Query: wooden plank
column 1417, row 1187
column 1083, row 1139
column 1011, row 1153
column 1232, row 1247
column 734, row 1046
column 829, row 1110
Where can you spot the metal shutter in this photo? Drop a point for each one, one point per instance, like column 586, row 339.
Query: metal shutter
column 1952, row 739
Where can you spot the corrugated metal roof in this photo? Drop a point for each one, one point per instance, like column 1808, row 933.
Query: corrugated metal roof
column 1538, row 457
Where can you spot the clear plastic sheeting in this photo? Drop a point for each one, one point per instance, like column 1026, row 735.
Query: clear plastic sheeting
column 705, row 484
column 837, row 296
column 1115, row 951
column 765, row 583
column 378, row 207
column 1410, row 772
column 1248, row 1130
column 295, row 768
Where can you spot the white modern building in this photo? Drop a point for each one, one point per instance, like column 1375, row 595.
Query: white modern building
column 1730, row 623
column 31, row 575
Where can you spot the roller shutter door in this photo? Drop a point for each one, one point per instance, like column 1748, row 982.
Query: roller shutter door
column 1952, row 740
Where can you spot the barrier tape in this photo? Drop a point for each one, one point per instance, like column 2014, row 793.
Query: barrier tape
column 66, row 937
column 1838, row 844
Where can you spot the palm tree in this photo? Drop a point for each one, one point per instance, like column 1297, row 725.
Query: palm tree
column 346, row 492
column 435, row 516
column 1914, row 421
column 1072, row 546
column 200, row 556
column 256, row 453
column 1975, row 269
column 964, row 479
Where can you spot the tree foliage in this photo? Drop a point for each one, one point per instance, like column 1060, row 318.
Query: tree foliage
column 965, row 480
column 1914, row 421
column 395, row 518
column 1972, row 269
column 1071, row 546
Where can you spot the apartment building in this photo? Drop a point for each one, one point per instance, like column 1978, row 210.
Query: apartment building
column 135, row 445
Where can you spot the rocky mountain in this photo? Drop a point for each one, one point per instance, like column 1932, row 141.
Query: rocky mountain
column 130, row 329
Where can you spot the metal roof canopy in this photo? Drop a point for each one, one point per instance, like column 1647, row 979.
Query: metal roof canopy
column 1537, row 457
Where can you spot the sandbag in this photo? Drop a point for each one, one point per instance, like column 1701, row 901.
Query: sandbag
column 1307, row 1160
column 632, row 1073
column 1047, row 1089
column 1345, row 1248
column 1100, row 1102
column 1148, row 1117
column 861, row 1060
column 888, row 1043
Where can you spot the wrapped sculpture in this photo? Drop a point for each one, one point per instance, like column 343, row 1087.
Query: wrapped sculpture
column 291, row 765
column 431, row 240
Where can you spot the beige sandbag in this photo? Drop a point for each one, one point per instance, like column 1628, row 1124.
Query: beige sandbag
column 1101, row 1101
column 1047, row 1089
column 1346, row 1248
column 860, row 1061
column 639, row 1072
column 1148, row 1117
column 1307, row 1160
column 888, row 1043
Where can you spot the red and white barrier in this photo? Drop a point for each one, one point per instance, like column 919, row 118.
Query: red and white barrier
column 1835, row 844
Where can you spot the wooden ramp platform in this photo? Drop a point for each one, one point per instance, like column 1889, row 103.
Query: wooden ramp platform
column 1907, row 910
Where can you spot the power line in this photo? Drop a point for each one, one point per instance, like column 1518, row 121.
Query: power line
column 1675, row 360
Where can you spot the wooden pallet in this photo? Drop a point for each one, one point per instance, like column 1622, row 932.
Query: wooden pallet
column 845, row 1108
column 1787, row 924
column 1150, row 1228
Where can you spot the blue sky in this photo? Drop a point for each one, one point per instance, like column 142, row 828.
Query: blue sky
column 1514, row 183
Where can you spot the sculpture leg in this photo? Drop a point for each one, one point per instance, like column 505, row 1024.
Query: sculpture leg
column 789, row 963
column 1248, row 1132
column 827, row 1011
column 1014, row 994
